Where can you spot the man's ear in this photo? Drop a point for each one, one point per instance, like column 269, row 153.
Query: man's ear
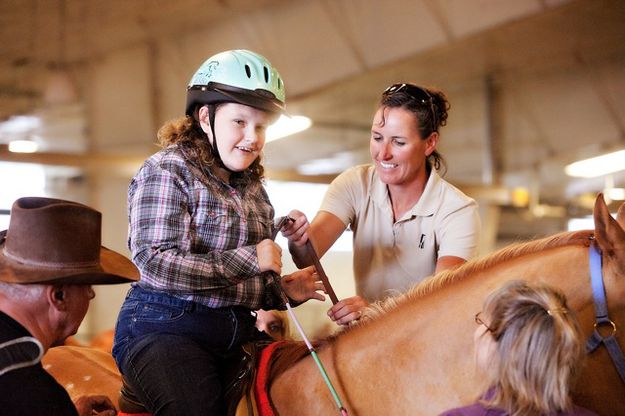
column 56, row 296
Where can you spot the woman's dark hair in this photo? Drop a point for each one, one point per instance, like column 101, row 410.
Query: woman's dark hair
column 430, row 107
column 187, row 133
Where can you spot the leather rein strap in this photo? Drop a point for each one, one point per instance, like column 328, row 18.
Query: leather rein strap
column 314, row 258
column 601, row 316
column 322, row 274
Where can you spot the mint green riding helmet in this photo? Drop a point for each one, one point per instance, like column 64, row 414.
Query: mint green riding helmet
column 239, row 76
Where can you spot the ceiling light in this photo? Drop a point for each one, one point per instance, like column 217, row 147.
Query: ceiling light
column 597, row 166
column 285, row 126
column 328, row 166
column 16, row 125
column 615, row 194
column 23, row 146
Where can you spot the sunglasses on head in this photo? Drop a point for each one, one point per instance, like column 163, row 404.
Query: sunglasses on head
column 417, row 93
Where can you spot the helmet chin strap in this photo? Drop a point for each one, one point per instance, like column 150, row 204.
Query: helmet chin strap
column 211, row 118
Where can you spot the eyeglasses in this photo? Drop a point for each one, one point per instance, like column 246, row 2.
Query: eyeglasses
column 479, row 321
column 419, row 94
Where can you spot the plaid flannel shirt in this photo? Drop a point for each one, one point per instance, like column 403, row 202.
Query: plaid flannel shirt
column 195, row 237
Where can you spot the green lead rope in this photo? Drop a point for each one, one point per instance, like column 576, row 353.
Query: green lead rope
column 335, row 395
column 342, row 411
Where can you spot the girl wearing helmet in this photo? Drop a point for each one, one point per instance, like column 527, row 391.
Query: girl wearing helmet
column 200, row 226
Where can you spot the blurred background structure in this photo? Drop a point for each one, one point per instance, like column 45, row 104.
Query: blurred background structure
column 534, row 85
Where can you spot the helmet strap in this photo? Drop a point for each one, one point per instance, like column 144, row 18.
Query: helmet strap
column 212, row 109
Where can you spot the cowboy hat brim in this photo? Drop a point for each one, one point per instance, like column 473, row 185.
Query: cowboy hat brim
column 113, row 268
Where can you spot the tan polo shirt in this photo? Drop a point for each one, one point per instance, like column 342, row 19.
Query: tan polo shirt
column 390, row 257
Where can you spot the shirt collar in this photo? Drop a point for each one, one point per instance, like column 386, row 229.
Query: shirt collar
column 427, row 203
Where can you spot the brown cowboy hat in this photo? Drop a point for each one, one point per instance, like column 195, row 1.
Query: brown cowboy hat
column 56, row 241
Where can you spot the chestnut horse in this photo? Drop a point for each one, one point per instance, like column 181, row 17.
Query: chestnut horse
column 416, row 358
column 413, row 355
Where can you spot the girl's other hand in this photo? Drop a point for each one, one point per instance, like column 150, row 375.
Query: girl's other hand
column 269, row 256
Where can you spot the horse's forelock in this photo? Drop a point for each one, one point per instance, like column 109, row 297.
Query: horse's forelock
column 446, row 277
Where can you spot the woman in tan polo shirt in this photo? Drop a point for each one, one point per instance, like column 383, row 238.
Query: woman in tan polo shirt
column 408, row 222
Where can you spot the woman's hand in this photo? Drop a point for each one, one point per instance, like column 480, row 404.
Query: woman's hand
column 303, row 285
column 95, row 405
column 269, row 256
column 295, row 231
column 348, row 310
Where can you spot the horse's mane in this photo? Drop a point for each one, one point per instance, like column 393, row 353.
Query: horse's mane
column 284, row 356
column 290, row 353
column 446, row 277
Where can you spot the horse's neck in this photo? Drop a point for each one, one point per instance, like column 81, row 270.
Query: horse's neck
column 422, row 350
column 460, row 298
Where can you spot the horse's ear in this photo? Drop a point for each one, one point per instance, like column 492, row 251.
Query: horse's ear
column 608, row 232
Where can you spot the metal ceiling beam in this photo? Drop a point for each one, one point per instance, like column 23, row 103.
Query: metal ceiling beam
column 336, row 13
column 599, row 85
column 493, row 158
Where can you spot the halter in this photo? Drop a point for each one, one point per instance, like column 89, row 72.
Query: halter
column 601, row 316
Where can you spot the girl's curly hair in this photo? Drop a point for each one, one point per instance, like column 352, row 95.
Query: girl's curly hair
column 187, row 133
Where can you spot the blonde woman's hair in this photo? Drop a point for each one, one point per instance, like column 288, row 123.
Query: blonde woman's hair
column 539, row 348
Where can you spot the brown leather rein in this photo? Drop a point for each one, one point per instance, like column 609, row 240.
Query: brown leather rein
column 314, row 258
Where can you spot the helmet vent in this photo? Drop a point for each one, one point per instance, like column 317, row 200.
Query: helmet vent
column 279, row 83
column 266, row 71
column 248, row 71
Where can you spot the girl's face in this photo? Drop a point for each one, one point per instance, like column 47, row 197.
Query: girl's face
column 397, row 149
column 240, row 132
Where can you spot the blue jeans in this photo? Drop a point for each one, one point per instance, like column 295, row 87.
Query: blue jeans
column 173, row 353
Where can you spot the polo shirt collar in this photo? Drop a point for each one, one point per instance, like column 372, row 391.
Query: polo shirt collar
column 379, row 191
column 427, row 203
